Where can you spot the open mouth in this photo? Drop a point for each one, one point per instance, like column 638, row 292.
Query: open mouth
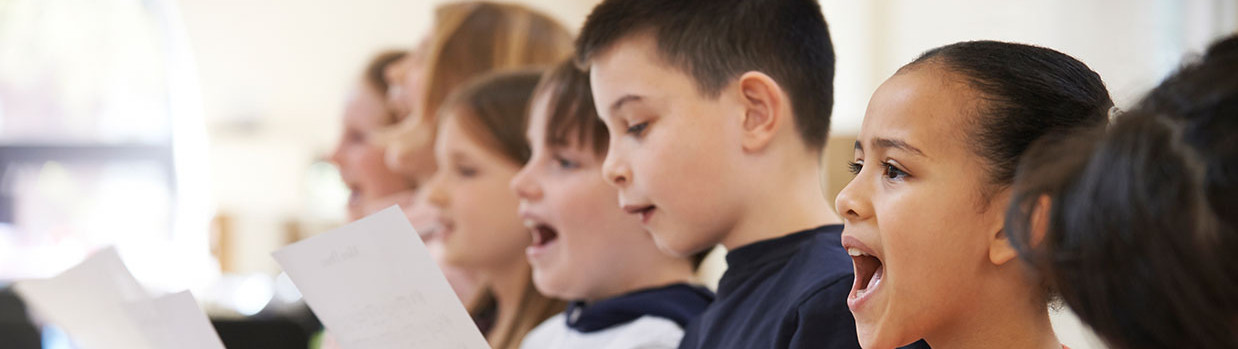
column 443, row 228
column 868, row 272
column 542, row 234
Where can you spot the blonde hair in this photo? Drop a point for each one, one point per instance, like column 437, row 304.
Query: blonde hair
column 469, row 40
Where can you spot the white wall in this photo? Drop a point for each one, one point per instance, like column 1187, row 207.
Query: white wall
column 274, row 75
column 1131, row 44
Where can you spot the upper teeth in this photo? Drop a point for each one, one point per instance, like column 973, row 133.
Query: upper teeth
column 531, row 224
column 855, row 252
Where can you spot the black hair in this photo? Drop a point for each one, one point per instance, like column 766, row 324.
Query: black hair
column 716, row 41
column 1026, row 92
column 1138, row 235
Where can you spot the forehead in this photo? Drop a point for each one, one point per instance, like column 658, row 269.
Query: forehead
column 539, row 116
column 926, row 107
column 632, row 66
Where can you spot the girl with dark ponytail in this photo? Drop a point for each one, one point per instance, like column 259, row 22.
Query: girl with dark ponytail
column 1134, row 225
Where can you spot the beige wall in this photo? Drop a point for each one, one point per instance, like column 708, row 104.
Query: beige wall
column 274, row 75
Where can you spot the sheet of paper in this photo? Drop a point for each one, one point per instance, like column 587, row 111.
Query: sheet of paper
column 374, row 285
column 84, row 298
column 100, row 305
column 174, row 321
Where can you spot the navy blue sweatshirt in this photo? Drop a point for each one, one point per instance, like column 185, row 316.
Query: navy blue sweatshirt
column 787, row 292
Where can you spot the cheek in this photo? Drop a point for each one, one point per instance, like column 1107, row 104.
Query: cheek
column 369, row 166
column 583, row 205
column 370, row 158
column 686, row 160
column 932, row 243
column 490, row 212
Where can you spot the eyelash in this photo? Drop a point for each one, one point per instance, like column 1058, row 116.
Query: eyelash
column 638, row 129
column 466, row 172
column 355, row 137
column 894, row 171
column 854, row 167
column 890, row 171
column 564, row 163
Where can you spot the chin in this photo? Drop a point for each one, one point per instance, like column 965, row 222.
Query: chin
column 871, row 338
column 682, row 247
column 546, row 286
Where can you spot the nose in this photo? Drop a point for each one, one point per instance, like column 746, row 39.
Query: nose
column 337, row 155
column 436, row 193
column 854, row 202
column 524, row 185
column 615, row 168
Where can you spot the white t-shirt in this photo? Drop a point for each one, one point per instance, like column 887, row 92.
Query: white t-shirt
column 645, row 319
column 647, row 332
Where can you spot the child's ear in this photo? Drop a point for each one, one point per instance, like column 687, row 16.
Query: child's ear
column 1000, row 248
column 1039, row 226
column 763, row 102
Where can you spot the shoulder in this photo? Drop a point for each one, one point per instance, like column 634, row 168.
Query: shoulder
column 822, row 266
column 821, row 315
column 546, row 333
column 647, row 332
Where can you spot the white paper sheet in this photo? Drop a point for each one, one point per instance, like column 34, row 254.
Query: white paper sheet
column 101, row 306
column 374, row 285
column 174, row 321
column 87, row 302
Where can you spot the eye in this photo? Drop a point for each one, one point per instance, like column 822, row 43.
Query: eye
column 466, row 171
column 565, row 163
column 855, row 166
column 893, row 172
column 638, row 129
column 354, row 137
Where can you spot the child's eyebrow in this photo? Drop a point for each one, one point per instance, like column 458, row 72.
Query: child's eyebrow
column 458, row 156
column 614, row 107
column 892, row 143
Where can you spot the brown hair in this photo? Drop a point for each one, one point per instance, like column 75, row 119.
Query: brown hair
column 492, row 109
column 571, row 109
column 375, row 76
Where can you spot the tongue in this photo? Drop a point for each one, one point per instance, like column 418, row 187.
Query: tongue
column 875, row 279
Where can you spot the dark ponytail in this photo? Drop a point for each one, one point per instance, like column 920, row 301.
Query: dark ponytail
column 1139, row 232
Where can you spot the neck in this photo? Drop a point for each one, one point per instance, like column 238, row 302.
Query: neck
column 787, row 197
column 1000, row 321
column 659, row 270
